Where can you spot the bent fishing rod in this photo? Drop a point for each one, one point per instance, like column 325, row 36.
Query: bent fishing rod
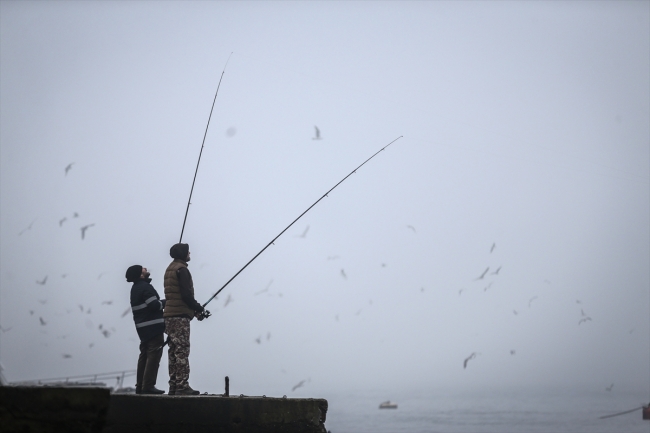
column 202, row 144
column 300, row 216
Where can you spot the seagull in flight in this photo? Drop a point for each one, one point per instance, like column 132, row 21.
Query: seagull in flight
column 42, row 282
column 493, row 247
column 343, row 274
column 265, row 290
column 317, row 137
column 584, row 320
column 483, row 274
column 83, row 230
column 228, row 301
column 68, row 167
column 304, row 234
column 411, row 227
column 298, row 385
column 65, row 355
column 609, row 388
column 472, row 356
column 43, row 322
column 29, row 227
column 62, row 220
column 497, row 271
column 531, row 300
column 126, row 311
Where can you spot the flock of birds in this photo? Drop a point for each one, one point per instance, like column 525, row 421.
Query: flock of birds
column 83, row 228
column 106, row 332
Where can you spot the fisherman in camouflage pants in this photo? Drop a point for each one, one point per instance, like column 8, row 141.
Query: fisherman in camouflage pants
column 178, row 329
column 180, row 309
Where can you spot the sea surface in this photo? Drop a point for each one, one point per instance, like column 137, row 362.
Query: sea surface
column 496, row 411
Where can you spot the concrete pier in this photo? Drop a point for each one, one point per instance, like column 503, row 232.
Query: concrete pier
column 66, row 409
column 214, row 414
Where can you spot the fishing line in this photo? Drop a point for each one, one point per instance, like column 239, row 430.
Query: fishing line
column 201, row 152
column 300, row 216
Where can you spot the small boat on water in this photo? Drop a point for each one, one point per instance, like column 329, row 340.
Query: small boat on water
column 388, row 405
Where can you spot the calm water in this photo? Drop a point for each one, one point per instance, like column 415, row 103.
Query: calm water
column 486, row 412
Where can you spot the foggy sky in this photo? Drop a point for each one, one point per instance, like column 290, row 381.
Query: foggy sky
column 525, row 126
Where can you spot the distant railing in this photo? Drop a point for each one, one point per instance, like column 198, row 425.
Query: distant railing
column 81, row 380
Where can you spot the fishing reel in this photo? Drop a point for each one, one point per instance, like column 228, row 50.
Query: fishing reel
column 203, row 315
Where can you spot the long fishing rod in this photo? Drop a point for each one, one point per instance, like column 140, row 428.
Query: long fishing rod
column 300, row 216
column 202, row 144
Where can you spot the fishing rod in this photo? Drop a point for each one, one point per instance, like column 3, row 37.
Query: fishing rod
column 300, row 216
column 202, row 144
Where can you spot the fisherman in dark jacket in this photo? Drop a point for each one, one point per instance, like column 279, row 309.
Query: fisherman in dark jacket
column 180, row 309
column 148, row 317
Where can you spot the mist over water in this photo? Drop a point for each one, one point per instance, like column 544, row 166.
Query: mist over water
column 508, row 227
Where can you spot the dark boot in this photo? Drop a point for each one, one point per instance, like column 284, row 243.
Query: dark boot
column 152, row 390
column 187, row 391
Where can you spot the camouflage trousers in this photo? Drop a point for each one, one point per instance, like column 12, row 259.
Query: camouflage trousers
column 178, row 330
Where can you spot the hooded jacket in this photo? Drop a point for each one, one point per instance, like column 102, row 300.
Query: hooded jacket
column 147, row 310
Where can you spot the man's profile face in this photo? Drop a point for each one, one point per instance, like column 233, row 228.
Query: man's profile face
column 188, row 257
column 145, row 273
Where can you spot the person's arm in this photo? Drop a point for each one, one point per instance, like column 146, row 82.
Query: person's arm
column 152, row 300
column 185, row 280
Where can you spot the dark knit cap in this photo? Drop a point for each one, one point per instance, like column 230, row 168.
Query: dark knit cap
column 133, row 273
column 179, row 251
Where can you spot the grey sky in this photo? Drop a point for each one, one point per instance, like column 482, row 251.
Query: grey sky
column 525, row 125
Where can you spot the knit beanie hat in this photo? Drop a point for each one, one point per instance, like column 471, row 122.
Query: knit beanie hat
column 179, row 251
column 133, row 273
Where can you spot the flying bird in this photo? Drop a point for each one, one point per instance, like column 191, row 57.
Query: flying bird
column 268, row 336
column 298, row 385
column 42, row 282
column 106, row 333
column 472, row 356
column 5, row 329
column 586, row 319
column 259, row 340
column 265, row 290
column 497, row 271
column 317, row 137
column 512, row 352
column 29, row 227
column 43, row 322
column 65, row 355
column 483, row 274
column 493, row 247
column 107, row 302
column 61, row 221
column 75, row 215
column 515, row 311
column 68, row 167
column 332, row 257
column 411, row 227
column 81, row 307
column 126, row 311
column 609, row 388
column 43, row 301
column 531, row 300
column 228, row 301
column 487, row 287
column 343, row 274
column 304, row 234
column 83, row 230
